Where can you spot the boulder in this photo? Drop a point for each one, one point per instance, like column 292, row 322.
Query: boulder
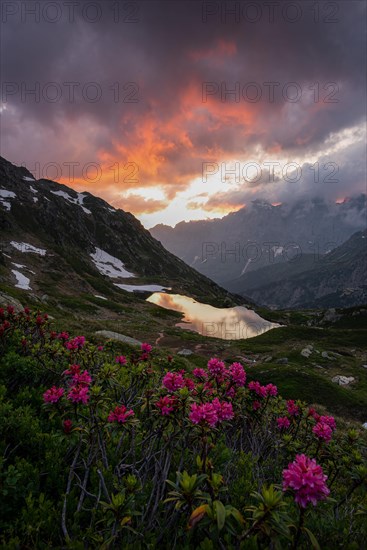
column 306, row 352
column 282, row 361
column 185, row 352
column 342, row 380
column 120, row 337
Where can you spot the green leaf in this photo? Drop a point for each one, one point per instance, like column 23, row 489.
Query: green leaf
column 220, row 512
column 313, row 540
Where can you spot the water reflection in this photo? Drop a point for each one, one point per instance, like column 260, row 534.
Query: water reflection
column 226, row 323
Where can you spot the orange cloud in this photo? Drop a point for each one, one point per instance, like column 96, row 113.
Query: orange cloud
column 139, row 204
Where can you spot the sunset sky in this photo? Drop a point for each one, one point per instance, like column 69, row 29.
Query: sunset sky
column 176, row 110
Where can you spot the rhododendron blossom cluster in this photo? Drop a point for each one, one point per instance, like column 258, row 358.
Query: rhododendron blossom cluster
column 79, row 394
column 211, row 413
column 76, row 343
column 283, row 422
column 307, row 480
column 216, row 367
column 120, row 414
column 237, row 373
column 323, row 431
column 53, row 395
column 173, row 381
column 166, row 404
column 292, row 408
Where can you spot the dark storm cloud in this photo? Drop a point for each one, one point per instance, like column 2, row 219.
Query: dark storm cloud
column 169, row 51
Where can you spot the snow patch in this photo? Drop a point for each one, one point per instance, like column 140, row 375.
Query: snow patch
column 26, row 247
column 142, row 288
column 78, row 201
column 22, row 280
column 278, row 250
column 35, row 199
column 33, row 189
column 110, row 266
column 4, row 193
column 26, row 178
column 5, row 204
column 100, row 297
column 21, row 266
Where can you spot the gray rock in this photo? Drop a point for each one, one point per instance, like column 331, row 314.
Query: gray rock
column 6, row 300
column 364, row 366
column 185, row 352
column 306, row 352
column 282, row 361
column 268, row 359
column 364, row 425
column 119, row 337
column 343, row 380
column 325, row 355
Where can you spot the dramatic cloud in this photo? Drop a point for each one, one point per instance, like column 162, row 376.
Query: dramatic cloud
column 145, row 94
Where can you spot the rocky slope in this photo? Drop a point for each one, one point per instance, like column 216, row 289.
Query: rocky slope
column 336, row 279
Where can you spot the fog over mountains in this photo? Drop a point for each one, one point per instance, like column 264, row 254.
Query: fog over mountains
column 279, row 241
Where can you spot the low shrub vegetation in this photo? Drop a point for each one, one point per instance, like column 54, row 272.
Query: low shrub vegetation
column 103, row 450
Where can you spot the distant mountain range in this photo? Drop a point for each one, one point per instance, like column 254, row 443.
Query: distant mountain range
column 263, row 235
column 336, row 279
column 60, row 242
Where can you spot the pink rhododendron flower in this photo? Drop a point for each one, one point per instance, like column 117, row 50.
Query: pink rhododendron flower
column 258, row 388
column 223, row 409
column 39, row 320
column 72, row 370
column 76, row 343
column 166, row 404
column 82, row 378
column 63, row 336
column 329, row 420
column 204, row 413
column 307, row 479
column 173, row 381
column 216, row 367
column 231, row 392
column 10, row 310
column 200, row 374
column 67, row 426
column 323, row 431
column 292, row 408
column 146, row 348
column 271, row 390
column 100, row 348
column 190, row 384
column 283, row 423
column 53, row 395
column 79, row 394
column 121, row 359
column 256, row 405
column 120, row 414
column 237, row 374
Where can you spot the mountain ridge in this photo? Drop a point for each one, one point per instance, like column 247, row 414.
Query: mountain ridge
column 72, row 226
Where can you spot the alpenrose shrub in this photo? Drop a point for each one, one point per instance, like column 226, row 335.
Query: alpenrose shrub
column 103, row 450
